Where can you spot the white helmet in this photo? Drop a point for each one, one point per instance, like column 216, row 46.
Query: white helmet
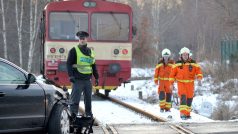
column 184, row 50
column 166, row 52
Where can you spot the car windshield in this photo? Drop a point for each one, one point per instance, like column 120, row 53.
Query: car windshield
column 64, row 25
column 110, row 26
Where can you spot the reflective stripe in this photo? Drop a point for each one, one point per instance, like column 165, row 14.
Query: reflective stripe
column 174, row 66
column 159, row 65
column 193, row 64
column 171, row 79
column 185, row 81
column 163, row 78
column 84, row 62
column 155, row 78
column 162, row 103
column 78, row 66
column 178, row 64
column 168, row 105
column 200, row 75
column 189, row 109
column 83, row 68
column 183, row 107
column 170, row 64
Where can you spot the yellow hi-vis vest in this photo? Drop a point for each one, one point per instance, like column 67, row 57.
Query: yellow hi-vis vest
column 84, row 63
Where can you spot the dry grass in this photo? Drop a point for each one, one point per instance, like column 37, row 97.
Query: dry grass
column 225, row 112
column 225, row 77
column 222, row 112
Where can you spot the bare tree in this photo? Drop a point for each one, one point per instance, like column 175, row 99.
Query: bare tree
column 19, row 28
column 4, row 34
column 33, row 32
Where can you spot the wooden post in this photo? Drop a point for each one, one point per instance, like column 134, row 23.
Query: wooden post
column 140, row 95
column 132, row 87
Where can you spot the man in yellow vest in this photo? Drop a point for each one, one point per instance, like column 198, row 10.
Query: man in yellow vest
column 81, row 65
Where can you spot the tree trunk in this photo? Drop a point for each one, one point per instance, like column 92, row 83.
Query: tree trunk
column 32, row 33
column 19, row 29
column 4, row 31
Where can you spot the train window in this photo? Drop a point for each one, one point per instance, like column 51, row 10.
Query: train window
column 64, row 25
column 110, row 26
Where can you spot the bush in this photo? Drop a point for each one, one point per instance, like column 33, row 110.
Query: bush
column 222, row 112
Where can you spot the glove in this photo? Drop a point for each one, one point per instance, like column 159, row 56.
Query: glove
column 199, row 82
column 72, row 79
column 96, row 82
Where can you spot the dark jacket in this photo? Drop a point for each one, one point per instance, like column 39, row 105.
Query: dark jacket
column 73, row 72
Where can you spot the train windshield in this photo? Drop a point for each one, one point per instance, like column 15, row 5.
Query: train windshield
column 110, row 26
column 64, row 25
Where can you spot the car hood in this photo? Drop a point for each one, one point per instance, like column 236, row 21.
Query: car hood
column 50, row 86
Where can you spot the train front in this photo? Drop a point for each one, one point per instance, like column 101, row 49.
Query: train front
column 110, row 27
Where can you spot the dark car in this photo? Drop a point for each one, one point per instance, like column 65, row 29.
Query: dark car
column 30, row 104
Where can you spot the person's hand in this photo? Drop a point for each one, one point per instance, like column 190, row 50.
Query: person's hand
column 72, row 79
column 199, row 82
column 96, row 82
column 171, row 87
column 156, row 82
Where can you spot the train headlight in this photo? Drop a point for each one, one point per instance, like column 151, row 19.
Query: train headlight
column 61, row 50
column 124, row 51
column 114, row 68
column 93, row 4
column 86, row 4
column 52, row 50
column 116, row 51
column 89, row 4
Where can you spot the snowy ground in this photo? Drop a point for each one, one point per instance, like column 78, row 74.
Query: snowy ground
column 125, row 94
column 130, row 94
column 203, row 103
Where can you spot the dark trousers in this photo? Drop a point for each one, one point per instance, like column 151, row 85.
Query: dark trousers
column 79, row 87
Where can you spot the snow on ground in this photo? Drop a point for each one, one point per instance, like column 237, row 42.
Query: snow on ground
column 139, row 72
column 125, row 94
column 202, row 100
column 110, row 113
column 130, row 94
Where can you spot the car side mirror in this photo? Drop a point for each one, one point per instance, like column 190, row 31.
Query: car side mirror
column 30, row 78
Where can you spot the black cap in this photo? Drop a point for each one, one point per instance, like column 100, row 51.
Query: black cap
column 82, row 34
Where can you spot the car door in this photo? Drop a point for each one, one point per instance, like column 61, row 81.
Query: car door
column 21, row 105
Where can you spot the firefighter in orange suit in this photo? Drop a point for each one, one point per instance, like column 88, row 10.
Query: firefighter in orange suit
column 162, row 73
column 185, row 71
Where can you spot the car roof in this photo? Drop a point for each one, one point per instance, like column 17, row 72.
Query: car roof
column 8, row 62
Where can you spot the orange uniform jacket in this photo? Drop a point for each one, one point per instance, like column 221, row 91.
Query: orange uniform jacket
column 162, row 73
column 185, row 74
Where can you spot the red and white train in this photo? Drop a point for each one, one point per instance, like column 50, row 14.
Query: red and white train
column 109, row 25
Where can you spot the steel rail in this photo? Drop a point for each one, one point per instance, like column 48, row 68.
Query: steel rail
column 174, row 126
column 147, row 114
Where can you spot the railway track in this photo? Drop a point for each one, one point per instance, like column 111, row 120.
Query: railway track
column 141, row 78
column 112, row 130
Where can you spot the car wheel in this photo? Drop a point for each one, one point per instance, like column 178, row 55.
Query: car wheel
column 59, row 121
